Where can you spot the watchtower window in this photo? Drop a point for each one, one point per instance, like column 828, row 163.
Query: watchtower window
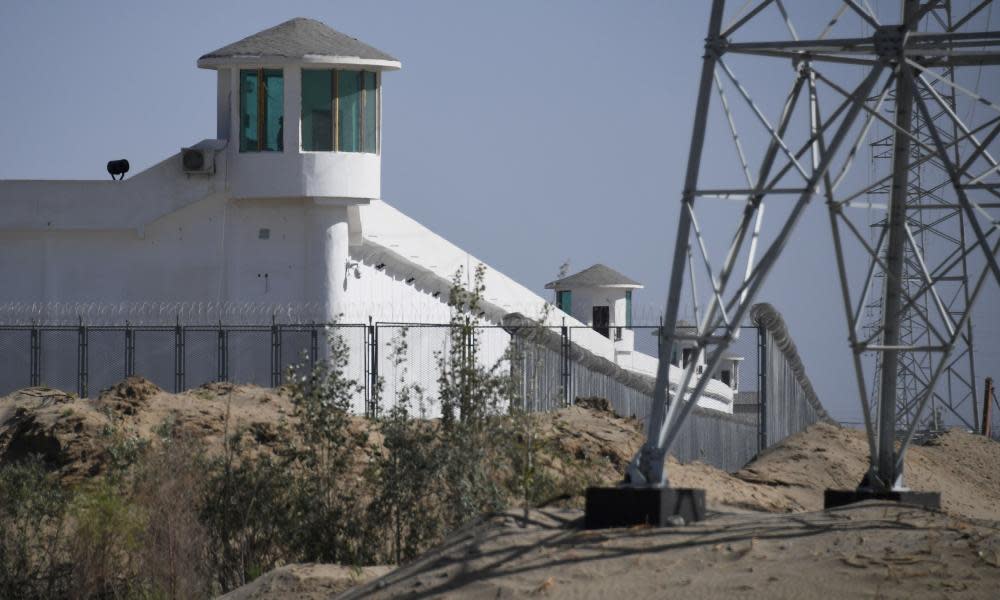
column 262, row 108
column 564, row 301
column 340, row 110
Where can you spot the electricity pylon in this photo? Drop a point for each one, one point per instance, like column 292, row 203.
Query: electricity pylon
column 915, row 66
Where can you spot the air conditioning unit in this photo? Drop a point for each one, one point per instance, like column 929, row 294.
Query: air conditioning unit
column 200, row 161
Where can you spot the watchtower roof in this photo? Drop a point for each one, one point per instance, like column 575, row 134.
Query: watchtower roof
column 596, row 276
column 299, row 40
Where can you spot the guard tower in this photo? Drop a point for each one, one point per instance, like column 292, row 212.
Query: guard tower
column 602, row 298
column 686, row 351
column 299, row 122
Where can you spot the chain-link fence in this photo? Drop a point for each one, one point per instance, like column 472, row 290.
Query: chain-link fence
column 548, row 367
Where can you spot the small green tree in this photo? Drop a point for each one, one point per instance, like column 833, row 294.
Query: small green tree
column 328, row 498
column 404, row 472
column 473, row 397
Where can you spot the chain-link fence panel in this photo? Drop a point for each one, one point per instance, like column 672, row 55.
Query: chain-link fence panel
column 357, row 367
column 537, row 372
column 410, row 355
column 724, row 441
column 15, row 359
column 250, row 356
column 201, row 356
column 413, row 355
column 154, row 355
column 298, row 350
column 105, row 358
column 59, row 353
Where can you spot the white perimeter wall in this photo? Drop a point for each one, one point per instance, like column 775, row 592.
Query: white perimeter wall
column 210, row 251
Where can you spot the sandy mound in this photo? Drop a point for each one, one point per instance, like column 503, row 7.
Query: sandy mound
column 809, row 554
column 73, row 434
column 963, row 467
column 606, row 443
column 872, row 548
column 585, row 442
column 306, row 581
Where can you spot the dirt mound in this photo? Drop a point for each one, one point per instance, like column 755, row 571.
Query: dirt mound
column 56, row 426
column 857, row 551
column 594, row 403
column 306, row 581
column 129, row 396
column 72, row 435
column 962, row 466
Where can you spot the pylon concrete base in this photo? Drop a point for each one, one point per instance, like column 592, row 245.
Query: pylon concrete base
column 835, row 498
column 626, row 506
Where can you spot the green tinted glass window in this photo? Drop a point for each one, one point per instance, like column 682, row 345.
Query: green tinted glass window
column 370, row 110
column 564, row 301
column 317, row 110
column 249, row 106
column 274, row 111
column 349, row 111
column 262, row 108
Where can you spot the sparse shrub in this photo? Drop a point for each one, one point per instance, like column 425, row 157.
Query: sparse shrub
column 122, row 448
column 34, row 562
column 247, row 515
column 169, row 490
column 404, row 473
column 529, row 454
column 531, row 479
column 328, row 502
column 104, row 540
column 473, row 398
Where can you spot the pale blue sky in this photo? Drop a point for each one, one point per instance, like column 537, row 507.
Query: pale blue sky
column 526, row 132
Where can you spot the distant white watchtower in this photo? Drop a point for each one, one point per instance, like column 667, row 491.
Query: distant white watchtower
column 728, row 371
column 299, row 106
column 602, row 298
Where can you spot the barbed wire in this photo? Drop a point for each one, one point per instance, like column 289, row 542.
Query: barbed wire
column 231, row 313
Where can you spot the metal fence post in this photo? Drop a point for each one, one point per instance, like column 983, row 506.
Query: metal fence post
column 988, row 399
column 366, row 356
column 81, row 360
column 564, row 363
column 222, row 355
column 129, row 350
column 35, row 376
column 275, row 353
column 761, row 388
column 313, row 347
column 372, row 356
column 178, row 357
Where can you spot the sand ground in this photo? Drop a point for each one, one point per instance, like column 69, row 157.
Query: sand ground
column 869, row 550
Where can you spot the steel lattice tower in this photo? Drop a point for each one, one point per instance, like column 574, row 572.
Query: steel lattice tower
column 908, row 73
column 933, row 223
